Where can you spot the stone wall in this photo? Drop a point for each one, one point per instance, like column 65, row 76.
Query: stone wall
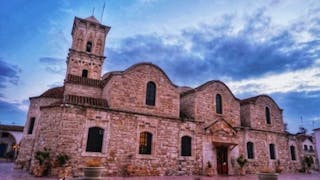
column 28, row 140
column 258, row 117
column 78, row 61
column 187, row 105
column 82, row 90
column 121, row 141
column 261, row 141
column 245, row 115
column 205, row 109
column 127, row 91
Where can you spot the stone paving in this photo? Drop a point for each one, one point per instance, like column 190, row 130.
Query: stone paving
column 7, row 172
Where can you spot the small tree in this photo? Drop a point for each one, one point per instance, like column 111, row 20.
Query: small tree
column 242, row 161
column 62, row 159
column 308, row 162
column 43, row 158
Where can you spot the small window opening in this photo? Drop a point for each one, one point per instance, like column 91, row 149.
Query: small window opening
column 89, row 46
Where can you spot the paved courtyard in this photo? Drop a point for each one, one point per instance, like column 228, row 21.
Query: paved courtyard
column 7, row 172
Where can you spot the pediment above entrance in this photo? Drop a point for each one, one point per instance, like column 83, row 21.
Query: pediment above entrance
column 220, row 128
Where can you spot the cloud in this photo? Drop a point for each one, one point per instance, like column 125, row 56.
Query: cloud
column 8, row 74
column 50, row 60
column 53, row 65
column 10, row 113
column 302, row 80
column 300, row 105
column 55, row 84
column 227, row 51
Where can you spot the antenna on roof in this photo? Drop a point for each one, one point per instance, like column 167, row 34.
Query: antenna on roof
column 312, row 124
column 104, row 4
column 91, row 3
column 93, row 11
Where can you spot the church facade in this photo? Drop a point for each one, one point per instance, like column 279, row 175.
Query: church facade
column 140, row 121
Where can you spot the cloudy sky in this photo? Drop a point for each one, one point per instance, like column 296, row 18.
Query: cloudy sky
column 255, row 47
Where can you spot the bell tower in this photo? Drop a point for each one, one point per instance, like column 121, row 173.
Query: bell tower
column 85, row 57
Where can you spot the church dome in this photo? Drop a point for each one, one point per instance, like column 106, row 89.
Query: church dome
column 92, row 19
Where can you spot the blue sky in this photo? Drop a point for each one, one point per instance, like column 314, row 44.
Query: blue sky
column 255, row 47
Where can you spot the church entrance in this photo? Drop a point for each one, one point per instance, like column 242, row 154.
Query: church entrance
column 222, row 160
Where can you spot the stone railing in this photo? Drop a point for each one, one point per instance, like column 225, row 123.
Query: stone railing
column 89, row 101
column 84, row 81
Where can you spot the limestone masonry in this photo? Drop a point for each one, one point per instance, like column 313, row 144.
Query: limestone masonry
column 138, row 122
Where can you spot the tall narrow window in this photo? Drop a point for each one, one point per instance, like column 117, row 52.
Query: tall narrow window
column 84, row 73
column 151, row 94
column 218, row 104
column 250, row 150
column 186, row 146
column 95, row 139
column 268, row 119
column 272, row 151
column 293, row 153
column 31, row 125
column 145, row 143
column 310, row 148
column 89, row 46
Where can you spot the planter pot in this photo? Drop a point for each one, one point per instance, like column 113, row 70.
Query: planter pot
column 279, row 169
column 242, row 171
column 268, row 176
column 93, row 172
column 209, row 172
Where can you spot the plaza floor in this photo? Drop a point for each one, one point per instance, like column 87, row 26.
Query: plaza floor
column 7, row 172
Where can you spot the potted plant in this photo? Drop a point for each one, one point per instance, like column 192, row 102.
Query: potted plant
column 308, row 162
column 43, row 166
column 209, row 169
column 242, row 162
column 93, row 169
column 61, row 165
column 267, row 174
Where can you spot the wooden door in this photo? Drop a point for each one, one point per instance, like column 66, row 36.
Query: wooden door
column 222, row 160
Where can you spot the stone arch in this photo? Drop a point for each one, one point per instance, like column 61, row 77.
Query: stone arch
column 7, row 142
column 79, row 40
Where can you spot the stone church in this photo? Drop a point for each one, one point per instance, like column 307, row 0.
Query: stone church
column 139, row 118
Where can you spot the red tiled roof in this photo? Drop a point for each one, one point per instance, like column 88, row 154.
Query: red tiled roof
column 56, row 92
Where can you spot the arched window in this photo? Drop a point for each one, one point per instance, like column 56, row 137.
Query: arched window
column 151, row 94
column 267, row 111
column 186, row 146
column 145, row 143
column 250, row 151
column 293, row 153
column 89, row 46
column 95, row 139
column 272, row 151
column 98, row 46
column 84, row 73
column 218, row 104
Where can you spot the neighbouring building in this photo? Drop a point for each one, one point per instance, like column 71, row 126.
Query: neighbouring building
column 10, row 137
column 139, row 118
